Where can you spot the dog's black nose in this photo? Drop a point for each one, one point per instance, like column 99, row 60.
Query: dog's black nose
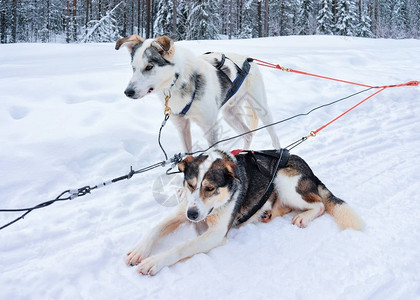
column 129, row 92
column 192, row 214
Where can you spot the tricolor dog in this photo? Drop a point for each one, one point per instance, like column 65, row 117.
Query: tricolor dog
column 222, row 191
column 197, row 88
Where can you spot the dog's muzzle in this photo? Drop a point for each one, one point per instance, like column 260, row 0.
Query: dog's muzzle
column 193, row 214
column 130, row 92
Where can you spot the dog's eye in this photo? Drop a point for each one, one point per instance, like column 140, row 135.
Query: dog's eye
column 149, row 67
column 209, row 189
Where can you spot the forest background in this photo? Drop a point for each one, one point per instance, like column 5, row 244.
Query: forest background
column 106, row 20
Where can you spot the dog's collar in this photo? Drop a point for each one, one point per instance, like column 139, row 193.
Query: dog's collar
column 188, row 106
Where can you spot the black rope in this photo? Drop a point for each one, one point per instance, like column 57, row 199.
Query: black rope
column 281, row 121
column 72, row 194
column 160, row 134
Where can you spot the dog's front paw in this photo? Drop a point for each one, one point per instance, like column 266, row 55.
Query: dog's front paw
column 151, row 265
column 135, row 256
column 266, row 216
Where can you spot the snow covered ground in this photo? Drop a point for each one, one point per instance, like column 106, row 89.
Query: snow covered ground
column 65, row 123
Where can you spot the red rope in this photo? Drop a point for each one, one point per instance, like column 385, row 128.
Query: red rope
column 381, row 88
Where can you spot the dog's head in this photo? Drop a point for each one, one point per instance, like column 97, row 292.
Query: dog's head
column 210, row 181
column 152, row 63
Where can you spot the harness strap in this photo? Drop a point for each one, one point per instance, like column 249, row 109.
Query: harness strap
column 282, row 157
column 240, row 77
column 221, row 63
column 188, row 106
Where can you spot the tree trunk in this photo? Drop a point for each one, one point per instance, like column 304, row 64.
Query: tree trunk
column 68, row 21
column 230, row 19
column 152, row 31
column 376, row 18
column 139, row 3
column 266, row 16
column 74, row 20
column 259, row 19
column 124, row 30
column 87, row 15
column 148, row 19
column 3, row 27
column 14, row 25
column 174, row 16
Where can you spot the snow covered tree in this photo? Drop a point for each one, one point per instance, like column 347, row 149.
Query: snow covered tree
column 346, row 18
column 104, row 30
column 202, row 20
column 364, row 27
column 414, row 18
column 399, row 20
column 284, row 16
column 247, row 29
column 164, row 17
column 305, row 21
column 325, row 18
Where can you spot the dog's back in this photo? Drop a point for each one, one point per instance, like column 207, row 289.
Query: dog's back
column 296, row 188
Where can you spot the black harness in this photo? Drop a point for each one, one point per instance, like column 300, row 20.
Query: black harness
column 282, row 156
column 235, row 84
column 240, row 76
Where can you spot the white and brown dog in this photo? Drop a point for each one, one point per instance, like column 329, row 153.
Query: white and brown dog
column 199, row 87
column 222, row 191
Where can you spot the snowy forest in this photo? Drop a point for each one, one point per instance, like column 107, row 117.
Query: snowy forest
column 106, row 20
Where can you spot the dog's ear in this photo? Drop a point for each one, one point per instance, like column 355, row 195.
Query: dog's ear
column 165, row 46
column 183, row 164
column 129, row 42
column 232, row 170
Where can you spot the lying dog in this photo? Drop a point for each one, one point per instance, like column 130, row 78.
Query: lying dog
column 222, row 191
column 199, row 87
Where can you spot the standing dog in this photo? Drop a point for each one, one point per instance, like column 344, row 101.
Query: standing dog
column 220, row 191
column 198, row 87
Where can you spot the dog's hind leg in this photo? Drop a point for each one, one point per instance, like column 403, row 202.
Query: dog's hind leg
column 233, row 115
column 257, row 100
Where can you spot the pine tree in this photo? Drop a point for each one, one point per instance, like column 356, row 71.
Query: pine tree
column 248, row 28
column 325, row 18
column 164, row 16
column 399, row 20
column 103, row 30
column 364, row 27
column 305, row 18
column 346, row 18
column 202, row 20
column 414, row 18
column 182, row 19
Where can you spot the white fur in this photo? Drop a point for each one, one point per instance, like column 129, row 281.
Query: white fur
column 214, row 236
column 286, row 191
column 205, row 107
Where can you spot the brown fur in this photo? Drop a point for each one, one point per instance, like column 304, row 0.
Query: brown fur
column 165, row 46
column 171, row 227
column 131, row 40
column 290, row 172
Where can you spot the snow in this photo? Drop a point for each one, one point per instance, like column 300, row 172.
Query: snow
column 65, row 123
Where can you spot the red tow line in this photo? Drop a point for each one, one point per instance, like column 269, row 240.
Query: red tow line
column 380, row 88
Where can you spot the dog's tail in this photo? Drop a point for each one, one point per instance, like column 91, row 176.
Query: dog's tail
column 340, row 210
column 252, row 117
